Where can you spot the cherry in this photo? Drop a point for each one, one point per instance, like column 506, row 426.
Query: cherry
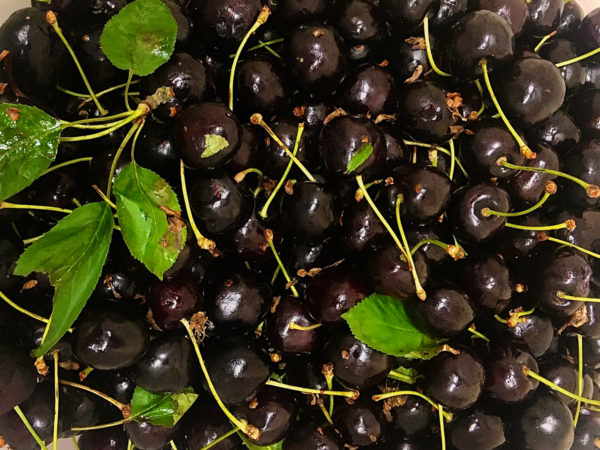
column 146, row 436
column 404, row 16
column 423, row 111
column 456, row 381
column 292, row 12
column 361, row 423
column 113, row 438
column 592, row 327
column 447, row 311
column 116, row 384
column 371, row 91
column 560, row 50
column 588, row 34
column 109, row 339
column 583, row 163
column 306, row 435
column 487, row 281
column 311, row 109
column 586, row 431
column 515, row 12
column 399, row 442
column 236, row 299
column 317, row 57
column 534, row 330
column 17, row 376
column 361, row 25
column 480, row 35
column 396, row 148
column 202, row 424
column 248, row 242
column 173, row 299
column 587, row 111
column 564, row 374
column 433, row 253
column 305, row 371
column 302, row 256
column 504, row 380
column 465, row 212
column 410, row 59
column 334, row 291
column 355, row 364
column 476, row 429
column 199, row 121
column 342, row 138
column 570, row 19
column 168, row 366
column 557, row 131
column 544, row 16
column 79, row 408
column 237, row 367
column 281, row 330
column 361, row 229
column 415, row 416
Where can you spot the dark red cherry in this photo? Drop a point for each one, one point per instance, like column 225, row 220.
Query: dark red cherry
column 174, row 299
column 585, row 109
column 361, row 25
column 158, row 150
column 530, row 90
column 588, row 35
column 343, row 137
column 237, row 299
column 168, row 366
column 262, row 86
column 396, row 149
column 423, row 111
column 202, row 120
column 584, row 163
column 405, row 16
column 570, row 19
column 476, row 429
column 237, row 367
column 109, row 339
column 410, row 59
column 557, row 131
column 248, row 242
column 586, row 431
column 309, row 212
column 487, row 281
column 480, row 35
column 515, row 12
column 312, row 109
column 371, row 91
column 279, row 329
column 544, row 16
column 535, row 331
column 390, row 274
column 560, row 50
column 334, row 291
column 465, row 212
column 433, row 254
column 146, row 436
column 447, row 311
column 361, row 228
column 17, row 376
column 413, row 417
column 316, row 56
column 292, row 12
column 246, row 155
column 79, row 408
column 504, row 378
column 361, row 423
column 113, row 438
column 456, row 381
column 306, row 435
column 355, row 364
column 564, row 374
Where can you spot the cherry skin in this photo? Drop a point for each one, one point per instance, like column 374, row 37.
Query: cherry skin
column 361, row 423
column 405, row 16
column 586, row 431
column 149, row 437
column 306, row 435
column 583, row 163
column 18, row 378
column 292, row 12
column 202, row 424
column 113, row 438
column 562, row 50
column 447, row 311
column 413, row 417
column 588, row 35
column 570, row 19
column 476, row 429
column 564, row 374
column 558, row 131
column 587, row 113
column 487, row 280
column 361, row 25
column 173, row 299
column 371, row 91
column 535, row 331
column 361, row 229
column 544, row 16
column 515, row 12
column 405, row 61
column 504, row 379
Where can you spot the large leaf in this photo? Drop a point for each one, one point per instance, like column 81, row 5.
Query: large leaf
column 72, row 254
column 149, row 216
column 382, row 323
column 161, row 409
column 28, row 144
column 141, row 37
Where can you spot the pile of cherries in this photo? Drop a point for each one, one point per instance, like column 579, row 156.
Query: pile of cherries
column 479, row 123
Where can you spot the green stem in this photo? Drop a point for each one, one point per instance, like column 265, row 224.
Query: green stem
column 21, row 309
column 473, row 331
column 480, row 89
column 127, row 85
column 56, row 401
column 544, row 237
column 578, row 58
column 88, row 137
column 553, row 386
column 51, row 19
column 104, row 425
column 75, row 443
column 525, row 150
column 575, row 298
column 401, row 377
column 221, row 438
column 579, row 378
column 379, row 397
column 441, row 150
column 262, row 44
column 113, row 166
column 442, row 425
column 558, row 226
column 88, row 97
column 6, row 205
column 65, row 124
column 65, row 164
column 271, row 51
column 261, row 19
column 122, row 407
column 418, row 288
column 31, row 430
column 264, row 211
column 486, row 212
column 269, row 239
column 135, row 139
column 347, row 394
column 104, row 197
column 452, row 159
column 455, row 251
column 543, row 41
column 173, row 446
column 428, row 48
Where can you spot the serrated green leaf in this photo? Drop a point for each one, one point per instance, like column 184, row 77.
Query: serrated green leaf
column 382, row 323
column 359, row 157
column 251, row 446
column 28, row 144
column 148, row 212
column 214, row 144
column 164, row 409
column 140, row 37
column 72, row 254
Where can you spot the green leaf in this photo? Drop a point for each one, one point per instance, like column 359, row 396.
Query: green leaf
column 251, row 446
column 161, row 409
column 72, row 254
column 382, row 323
column 360, row 157
column 407, row 375
column 149, row 216
column 28, row 144
column 141, row 37
column 214, row 144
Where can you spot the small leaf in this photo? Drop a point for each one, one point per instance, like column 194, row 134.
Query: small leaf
column 28, row 144
column 382, row 323
column 149, row 216
column 251, row 446
column 72, row 254
column 141, row 37
column 161, row 409
column 360, row 157
column 214, row 144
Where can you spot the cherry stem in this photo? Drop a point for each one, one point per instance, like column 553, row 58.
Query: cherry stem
column 75, row 443
column 221, row 438
column 173, row 446
column 328, row 373
column 579, row 378
column 578, row 58
column 401, row 377
column 81, row 123
column 135, row 139
column 52, row 20
column 452, row 159
column 6, row 205
column 553, row 386
column 487, row 212
column 480, row 89
column 592, row 190
column 456, row 252
column 240, row 176
column 269, row 239
column 251, row 431
column 525, row 150
column 294, row 326
column 419, row 289
column 125, row 409
column 23, row 310
column 441, row 150
column 127, row 86
column 436, row 406
column 102, row 426
column 325, row 413
column 88, row 137
column 574, row 298
column 104, row 197
column 203, row 243
column 31, row 430
column 348, row 394
column 257, row 119
column 514, row 317
column 476, row 333
column 261, row 19
column 130, row 445
column 568, row 224
column 87, row 98
column 65, row 164
column 56, row 400
column 264, row 211
column 432, row 63
column 113, row 166
column 541, row 237
column 543, row 41
column 262, row 44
